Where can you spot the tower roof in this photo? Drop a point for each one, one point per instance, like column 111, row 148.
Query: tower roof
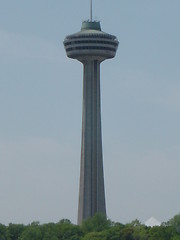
column 89, row 25
column 89, row 28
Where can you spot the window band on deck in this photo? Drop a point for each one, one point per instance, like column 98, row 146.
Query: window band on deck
column 92, row 36
column 90, row 48
column 91, row 41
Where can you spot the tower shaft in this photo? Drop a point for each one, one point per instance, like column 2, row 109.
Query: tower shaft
column 91, row 191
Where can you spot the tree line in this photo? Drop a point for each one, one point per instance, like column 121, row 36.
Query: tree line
column 95, row 228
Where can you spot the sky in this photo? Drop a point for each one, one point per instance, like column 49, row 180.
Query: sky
column 41, row 110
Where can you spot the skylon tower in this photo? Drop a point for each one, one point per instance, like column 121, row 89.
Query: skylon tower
column 91, row 46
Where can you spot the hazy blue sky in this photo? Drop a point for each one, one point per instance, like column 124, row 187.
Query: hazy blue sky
column 41, row 104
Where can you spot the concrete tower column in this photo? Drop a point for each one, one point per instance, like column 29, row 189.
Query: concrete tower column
column 91, row 191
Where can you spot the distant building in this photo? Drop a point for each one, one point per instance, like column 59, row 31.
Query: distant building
column 151, row 222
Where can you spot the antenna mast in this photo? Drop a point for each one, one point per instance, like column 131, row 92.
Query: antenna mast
column 91, row 11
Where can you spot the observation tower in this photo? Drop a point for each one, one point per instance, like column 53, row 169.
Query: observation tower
column 91, row 46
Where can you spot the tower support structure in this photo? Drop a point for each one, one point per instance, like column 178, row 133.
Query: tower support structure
column 91, row 46
column 91, row 194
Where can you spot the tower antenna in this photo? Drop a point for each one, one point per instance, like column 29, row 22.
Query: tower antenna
column 91, row 11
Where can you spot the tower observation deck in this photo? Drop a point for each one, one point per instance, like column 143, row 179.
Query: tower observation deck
column 91, row 46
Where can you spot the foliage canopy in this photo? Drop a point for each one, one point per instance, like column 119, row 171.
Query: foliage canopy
column 95, row 228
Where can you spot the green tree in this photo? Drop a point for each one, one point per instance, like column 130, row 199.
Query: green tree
column 115, row 232
column 96, row 224
column 31, row 233
column 176, row 237
column 175, row 222
column 141, row 232
column 49, row 231
column 127, row 233
column 14, row 231
column 134, row 223
column 160, row 233
column 3, row 232
column 95, row 236
column 67, row 231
